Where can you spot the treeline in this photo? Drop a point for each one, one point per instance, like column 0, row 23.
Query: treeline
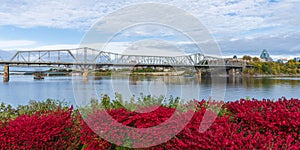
column 148, row 69
column 273, row 68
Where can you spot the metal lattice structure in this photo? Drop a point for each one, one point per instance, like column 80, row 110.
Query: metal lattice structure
column 86, row 57
column 41, row 56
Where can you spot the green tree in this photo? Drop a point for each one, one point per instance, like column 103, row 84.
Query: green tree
column 291, row 67
column 265, row 68
column 247, row 58
column 255, row 59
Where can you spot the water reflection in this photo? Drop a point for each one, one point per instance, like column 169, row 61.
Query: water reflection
column 268, row 82
column 237, row 87
column 21, row 89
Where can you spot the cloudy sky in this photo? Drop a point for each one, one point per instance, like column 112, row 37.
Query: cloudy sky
column 239, row 26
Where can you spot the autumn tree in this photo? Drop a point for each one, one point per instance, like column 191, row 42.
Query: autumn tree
column 247, row 58
column 255, row 59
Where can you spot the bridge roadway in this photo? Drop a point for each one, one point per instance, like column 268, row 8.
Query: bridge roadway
column 226, row 66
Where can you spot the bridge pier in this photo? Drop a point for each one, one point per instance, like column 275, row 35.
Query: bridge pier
column 199, row 73
column 6, row 73
column 232, row 71
column 85, row 74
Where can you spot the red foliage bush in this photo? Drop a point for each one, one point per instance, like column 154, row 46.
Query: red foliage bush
column 247, row 124
column 47, row 130
column 90, row 139
column 278, row 121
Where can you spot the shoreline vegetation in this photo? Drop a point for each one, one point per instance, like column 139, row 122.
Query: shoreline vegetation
column 241, row 124
column 291, row 68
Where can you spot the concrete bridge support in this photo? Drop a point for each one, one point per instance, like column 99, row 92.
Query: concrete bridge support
column 85, row 74
column 232, row 71
column 199, row 73
column 6, row 73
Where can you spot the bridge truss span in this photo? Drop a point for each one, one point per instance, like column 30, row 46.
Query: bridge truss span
column 87, row 57
column 43, row 56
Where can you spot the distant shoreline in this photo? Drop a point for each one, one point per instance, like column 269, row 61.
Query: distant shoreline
column 271, row 75
column 160, row 74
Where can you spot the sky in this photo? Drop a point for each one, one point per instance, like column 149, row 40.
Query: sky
column 240, row 27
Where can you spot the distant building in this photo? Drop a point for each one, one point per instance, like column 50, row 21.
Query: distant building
column 265, row 56
column 282, row 60
column 297, row 59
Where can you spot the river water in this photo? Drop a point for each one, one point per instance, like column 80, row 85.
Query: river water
column 22, row 88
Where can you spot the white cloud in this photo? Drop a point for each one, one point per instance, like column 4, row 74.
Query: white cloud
column 53, row 47
column 239, row 23
column 14, row 44
column 219, row 16
column 145, row 47
column 153, row 48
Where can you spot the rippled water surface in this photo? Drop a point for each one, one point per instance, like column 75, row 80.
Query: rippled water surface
column 20, row 89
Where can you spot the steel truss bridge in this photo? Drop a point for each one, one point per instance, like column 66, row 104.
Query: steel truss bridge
column 87, row 57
